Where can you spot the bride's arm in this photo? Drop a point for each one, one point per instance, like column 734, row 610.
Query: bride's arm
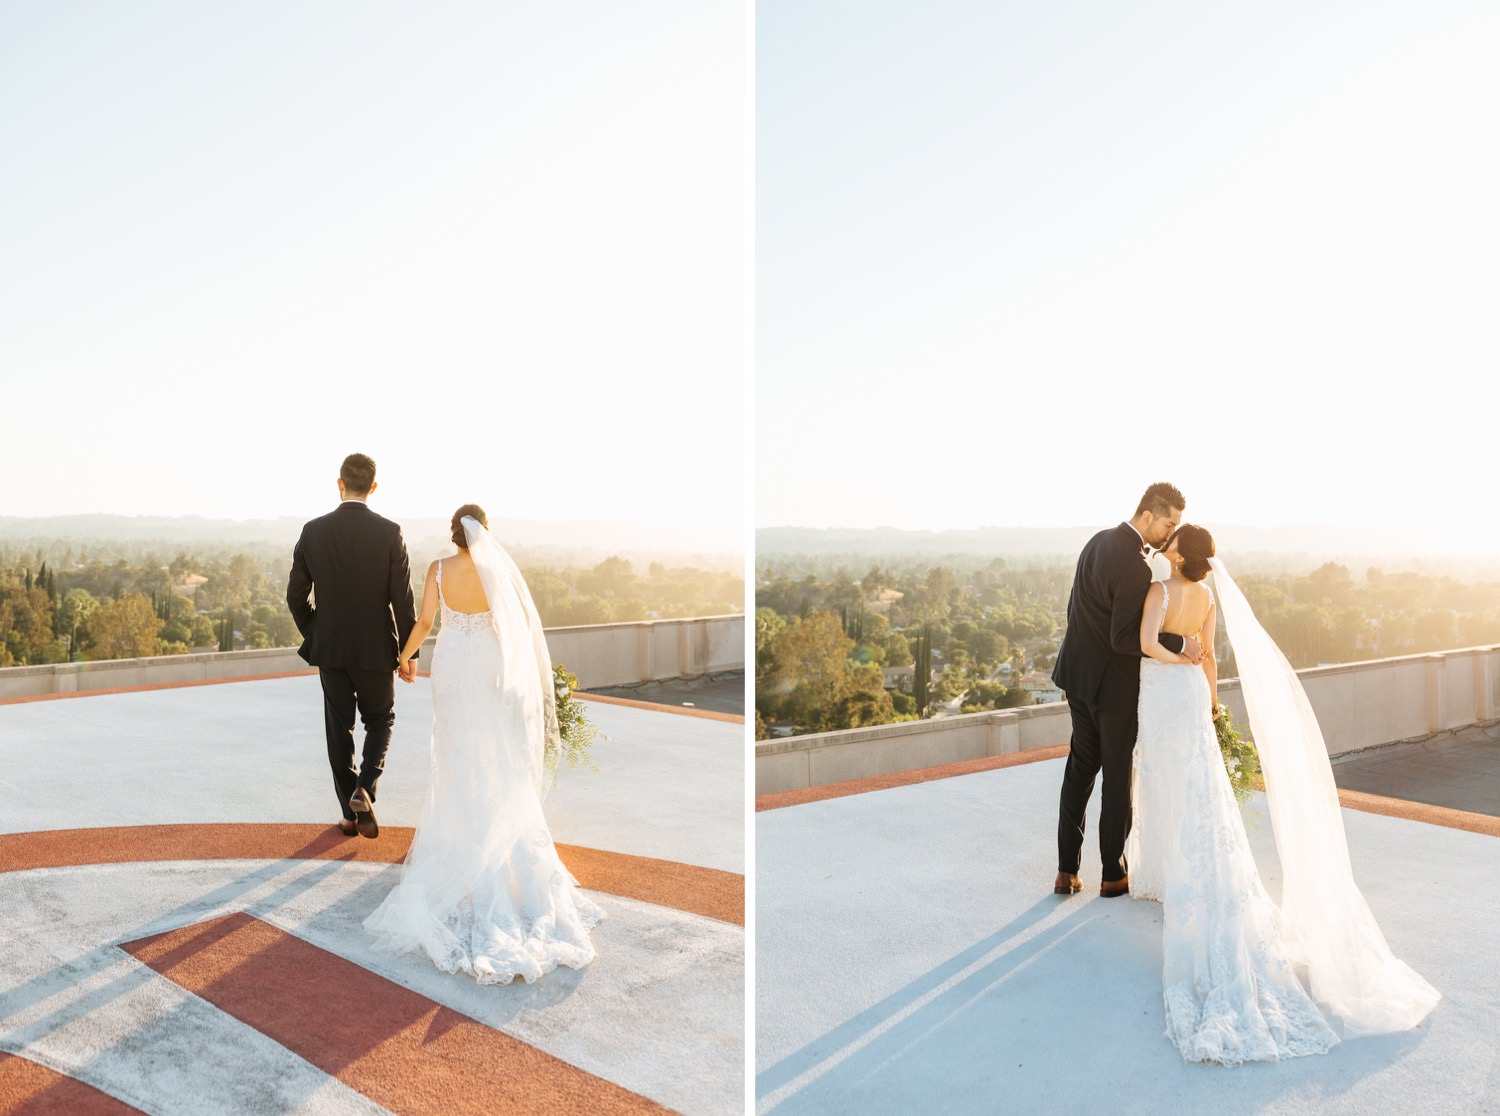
column 424, row 621
column 1210, row 666
column 1156, row 603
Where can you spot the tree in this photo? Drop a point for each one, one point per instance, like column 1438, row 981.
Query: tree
column 74, row 613
column 811, row 658
column 864, row 700
column 124, row 629
column 988, row 646
column 768, row 626
column 922, row 675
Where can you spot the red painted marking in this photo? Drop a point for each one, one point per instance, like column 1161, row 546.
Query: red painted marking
column 1420, row 811
column 30, row 1088
column 390, row 1044
column 710, row 892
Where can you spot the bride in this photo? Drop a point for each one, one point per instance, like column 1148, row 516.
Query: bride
column 1243, row 978
column 482, row 890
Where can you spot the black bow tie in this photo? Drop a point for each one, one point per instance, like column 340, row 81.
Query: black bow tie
column 1145, row 551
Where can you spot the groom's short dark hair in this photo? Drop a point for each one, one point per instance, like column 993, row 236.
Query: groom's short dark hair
column 1160, row 499
column 358, row 474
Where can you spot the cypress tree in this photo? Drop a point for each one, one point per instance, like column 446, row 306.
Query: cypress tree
column 922, row 676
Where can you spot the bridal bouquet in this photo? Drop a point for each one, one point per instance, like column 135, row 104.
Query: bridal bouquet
column 1240, row 759
column 578, row 732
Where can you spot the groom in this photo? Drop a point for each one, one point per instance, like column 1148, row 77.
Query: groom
column 356, row 562
column 1099, row 667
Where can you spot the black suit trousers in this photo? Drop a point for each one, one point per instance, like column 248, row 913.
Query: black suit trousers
column 1103, row 739
column 373, row 694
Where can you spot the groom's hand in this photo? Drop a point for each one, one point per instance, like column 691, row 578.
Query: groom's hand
column 407, row 670
column 1192, row 650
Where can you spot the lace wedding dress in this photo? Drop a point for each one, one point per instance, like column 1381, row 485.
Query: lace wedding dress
column 1233, row 962
column 1230, row 991
column 482, row 890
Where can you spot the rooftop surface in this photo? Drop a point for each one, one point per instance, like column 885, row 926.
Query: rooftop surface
column 183, row 923
column 910, row 956
column 723, row 692
column 1459, row 770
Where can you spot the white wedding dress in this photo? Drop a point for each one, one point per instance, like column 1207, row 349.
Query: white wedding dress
column 482, row 890
column 1243, row 978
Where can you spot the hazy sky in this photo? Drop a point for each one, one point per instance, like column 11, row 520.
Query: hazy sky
column 501, row 247
column 1016, row 261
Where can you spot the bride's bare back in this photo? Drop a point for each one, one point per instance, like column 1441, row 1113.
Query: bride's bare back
column 1188, row 606
column 462, row 591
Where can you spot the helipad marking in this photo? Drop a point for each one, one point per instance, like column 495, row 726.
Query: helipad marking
column 34, row 1089
column 391, row 1044
column 710, row 892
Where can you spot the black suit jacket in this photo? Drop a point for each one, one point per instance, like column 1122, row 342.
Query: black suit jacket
column 356, row 561
column 1100, row 658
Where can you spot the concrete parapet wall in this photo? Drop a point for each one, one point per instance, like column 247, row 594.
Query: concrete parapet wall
column 1359, row 705
column 649, row 650
column 599, row 654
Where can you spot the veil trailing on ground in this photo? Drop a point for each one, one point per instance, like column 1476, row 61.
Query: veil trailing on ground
column 1328, row 928
column 524, row 646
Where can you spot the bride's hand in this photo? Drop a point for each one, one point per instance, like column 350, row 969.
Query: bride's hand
column 407, row 670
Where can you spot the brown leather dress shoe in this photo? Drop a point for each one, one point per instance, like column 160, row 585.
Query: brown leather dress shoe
column 364, row 813
column 1066, row 884
column 1110, row 888
column 347, row 827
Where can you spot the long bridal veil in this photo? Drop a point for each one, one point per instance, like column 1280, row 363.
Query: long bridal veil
column 519, row 630
column 483, row 890
column 1328, row 929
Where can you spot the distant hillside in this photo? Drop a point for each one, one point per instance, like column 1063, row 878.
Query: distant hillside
column 532, row 542
column 1244, row 548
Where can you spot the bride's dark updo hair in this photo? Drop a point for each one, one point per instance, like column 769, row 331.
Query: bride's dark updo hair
column 1196, row 546
column 458, row 526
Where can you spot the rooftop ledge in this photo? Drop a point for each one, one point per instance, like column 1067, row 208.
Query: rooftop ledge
column 600, row 655
column 1359, row 706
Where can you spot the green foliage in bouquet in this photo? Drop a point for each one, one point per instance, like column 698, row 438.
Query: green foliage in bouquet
column 1240, row 758
column 578, row 732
